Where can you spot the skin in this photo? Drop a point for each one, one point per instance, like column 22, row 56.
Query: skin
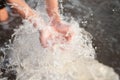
column 53, row 12
column 3, row 14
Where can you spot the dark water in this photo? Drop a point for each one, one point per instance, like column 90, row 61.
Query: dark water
column 99, row 17
column 104, row 25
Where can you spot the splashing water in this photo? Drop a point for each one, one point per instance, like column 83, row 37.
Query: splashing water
column 67, row 61
column 73, row 61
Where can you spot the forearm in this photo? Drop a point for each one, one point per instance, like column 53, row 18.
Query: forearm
column 53, row 9
column 22, row 8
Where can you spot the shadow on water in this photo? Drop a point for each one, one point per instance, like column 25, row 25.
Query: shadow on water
column 100, row 18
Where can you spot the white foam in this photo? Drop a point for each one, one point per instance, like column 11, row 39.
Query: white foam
column 68, row 61
column 75, row 62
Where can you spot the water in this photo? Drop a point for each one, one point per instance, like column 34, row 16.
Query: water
column 102, row 21
column 71, row 61
column 76, row 62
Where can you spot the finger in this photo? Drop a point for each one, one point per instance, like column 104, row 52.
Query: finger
column 43, row 39
column 69, row 36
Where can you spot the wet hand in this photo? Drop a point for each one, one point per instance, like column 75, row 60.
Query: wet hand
column 51, row 36
column 44, row 36
column 64, row 29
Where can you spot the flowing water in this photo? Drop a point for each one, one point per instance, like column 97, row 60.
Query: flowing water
column 25, row 58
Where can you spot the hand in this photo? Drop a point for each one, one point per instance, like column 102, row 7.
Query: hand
column 51, row 36
column 64, row 29
column 44, row 36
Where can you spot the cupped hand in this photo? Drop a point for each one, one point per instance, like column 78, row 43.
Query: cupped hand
column 63, row 28
column 56, row 33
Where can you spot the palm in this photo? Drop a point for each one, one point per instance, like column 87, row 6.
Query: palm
column 64, row 29
column 61, row 30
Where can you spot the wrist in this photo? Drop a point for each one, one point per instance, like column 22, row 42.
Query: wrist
column 37, row 22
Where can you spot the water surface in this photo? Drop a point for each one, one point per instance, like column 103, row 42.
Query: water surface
column 99, row 17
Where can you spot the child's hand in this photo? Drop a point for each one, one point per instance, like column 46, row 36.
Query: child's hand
column 44, row 36
column 63, row 28
column 56, row 33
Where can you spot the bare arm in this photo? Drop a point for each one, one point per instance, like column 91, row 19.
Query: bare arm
column 22, row 8
column 53, row 12
column 52, row 9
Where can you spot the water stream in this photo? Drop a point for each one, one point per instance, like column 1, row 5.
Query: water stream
column 28, row 60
